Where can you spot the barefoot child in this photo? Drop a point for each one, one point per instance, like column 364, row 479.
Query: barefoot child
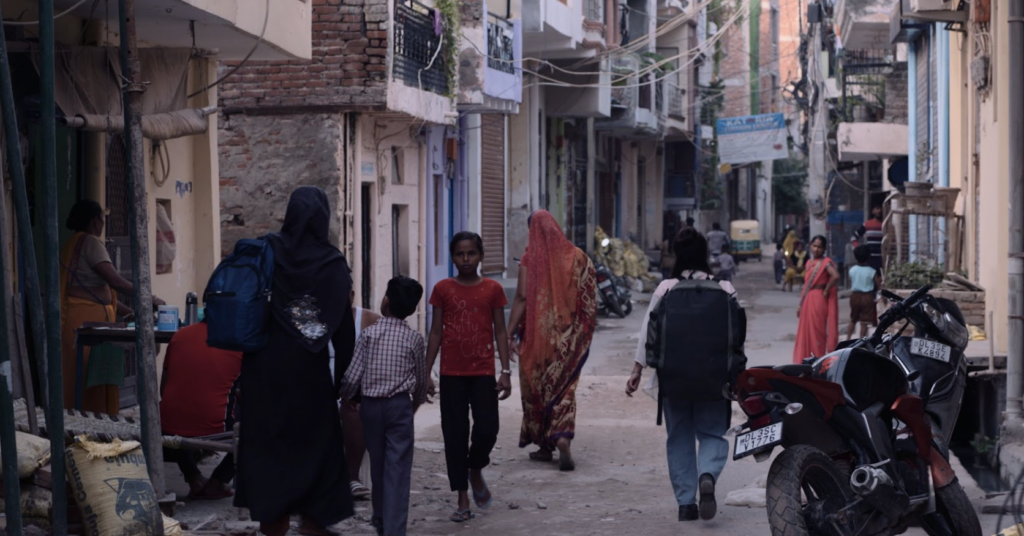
column 469, row 319
column 389, row 372
column 864, row 281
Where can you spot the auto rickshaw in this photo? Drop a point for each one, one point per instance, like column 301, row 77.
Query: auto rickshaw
column 745, row 236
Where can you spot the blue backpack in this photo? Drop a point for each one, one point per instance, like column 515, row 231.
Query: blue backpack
column 237, row 298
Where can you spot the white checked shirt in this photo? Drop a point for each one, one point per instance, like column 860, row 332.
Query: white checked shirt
column 389, row 359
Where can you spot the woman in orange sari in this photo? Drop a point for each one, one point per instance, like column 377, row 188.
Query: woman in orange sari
column 88, row 282
column 555, row 312
column 818, row 330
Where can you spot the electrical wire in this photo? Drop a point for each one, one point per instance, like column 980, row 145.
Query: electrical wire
column 55, row 17
column 263, row 32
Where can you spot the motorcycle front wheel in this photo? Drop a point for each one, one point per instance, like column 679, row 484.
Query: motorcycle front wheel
column 804, row 487
column 954, row 515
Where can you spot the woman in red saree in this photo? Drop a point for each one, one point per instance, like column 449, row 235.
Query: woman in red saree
column 555, row 310
column 818, row 330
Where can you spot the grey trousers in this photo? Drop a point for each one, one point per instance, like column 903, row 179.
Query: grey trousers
column 388, row 427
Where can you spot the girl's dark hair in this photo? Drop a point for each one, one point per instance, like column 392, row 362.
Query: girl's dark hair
column 824, row 241
column 466, row 235
column 691, row 249
column 82, row 214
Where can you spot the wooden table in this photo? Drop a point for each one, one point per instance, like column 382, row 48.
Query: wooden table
column 97, row 333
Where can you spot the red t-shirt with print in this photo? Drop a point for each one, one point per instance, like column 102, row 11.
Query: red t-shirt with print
column 467, row 341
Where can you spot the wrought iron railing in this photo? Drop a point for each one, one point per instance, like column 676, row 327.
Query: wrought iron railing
column 594, row 10
column 417, row 43
column 659, row 97
column 500, row 41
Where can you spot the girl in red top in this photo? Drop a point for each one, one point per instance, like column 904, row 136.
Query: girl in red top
column 468, row 325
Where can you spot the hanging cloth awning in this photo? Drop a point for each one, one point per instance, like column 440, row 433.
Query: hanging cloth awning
column 165, row 126
column 87, row 88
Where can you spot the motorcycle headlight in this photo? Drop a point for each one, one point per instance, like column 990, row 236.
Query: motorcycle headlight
column 937, row 318
column 956, row 333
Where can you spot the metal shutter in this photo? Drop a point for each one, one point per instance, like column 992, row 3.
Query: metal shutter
column 492, row 192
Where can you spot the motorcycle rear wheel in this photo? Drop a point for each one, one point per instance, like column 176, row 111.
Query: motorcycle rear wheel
column 954, row 515
column 799, row 473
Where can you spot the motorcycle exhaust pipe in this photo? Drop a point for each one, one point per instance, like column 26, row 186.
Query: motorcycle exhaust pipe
column 876, row 488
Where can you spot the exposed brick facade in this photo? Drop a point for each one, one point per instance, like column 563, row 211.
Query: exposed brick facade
column 348, row 68
column 264, row 158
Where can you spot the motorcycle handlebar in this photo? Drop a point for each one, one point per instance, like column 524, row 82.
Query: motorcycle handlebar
column 897, row 311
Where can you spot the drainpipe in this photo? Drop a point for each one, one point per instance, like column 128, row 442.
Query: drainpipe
column 943, row 91
column 912, row 135
column 1015, row 275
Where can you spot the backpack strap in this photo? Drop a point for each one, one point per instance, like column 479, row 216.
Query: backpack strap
column 660, row 407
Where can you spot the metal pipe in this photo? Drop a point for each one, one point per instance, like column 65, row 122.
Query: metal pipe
column 943, row 75
column 149, row 398
column 48, row 137
column 1015, row 268
column 912, row 141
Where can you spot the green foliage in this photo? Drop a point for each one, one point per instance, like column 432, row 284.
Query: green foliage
column 984, row 445
column 913, row 275
column 789, row 179
column 451, row 32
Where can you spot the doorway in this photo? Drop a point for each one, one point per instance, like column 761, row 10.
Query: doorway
column 366, row 257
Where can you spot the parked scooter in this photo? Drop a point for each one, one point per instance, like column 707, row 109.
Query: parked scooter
column 615, row 297
column 865, row 430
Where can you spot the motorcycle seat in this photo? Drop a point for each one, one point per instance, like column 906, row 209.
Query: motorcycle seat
column 794, row 370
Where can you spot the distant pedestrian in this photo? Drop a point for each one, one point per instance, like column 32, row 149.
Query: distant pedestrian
column 355, row 441
column 870, row 234
column 554, row 315
column 389, row 374
column 726, row 266
column 779, row 263
column 864, row 282
column 468, row 326
column 693, row 417
column 796, row 264
column 818, row 330
column 717, row 240
column 689, row 222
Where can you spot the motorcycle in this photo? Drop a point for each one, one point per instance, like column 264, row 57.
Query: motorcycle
column 615, row 296
column 865, row 429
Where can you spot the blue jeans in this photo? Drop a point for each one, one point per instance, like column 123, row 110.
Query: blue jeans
column 687, row 423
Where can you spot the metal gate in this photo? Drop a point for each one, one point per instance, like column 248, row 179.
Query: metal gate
column 119, row 247
column 492, row 191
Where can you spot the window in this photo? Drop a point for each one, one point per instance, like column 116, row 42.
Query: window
column 397, row 164
column 400, row 239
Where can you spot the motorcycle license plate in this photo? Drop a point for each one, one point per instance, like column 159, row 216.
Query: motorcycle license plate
column 604, row 284
column 748, row 443
column 930, row 349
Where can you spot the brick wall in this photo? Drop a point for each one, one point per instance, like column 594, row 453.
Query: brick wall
column 348, row 67
column 264, row 158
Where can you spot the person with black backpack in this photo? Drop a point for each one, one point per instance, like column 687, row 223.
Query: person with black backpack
column 693, row 336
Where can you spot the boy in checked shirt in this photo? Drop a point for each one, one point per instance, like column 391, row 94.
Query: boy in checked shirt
column 389, row 371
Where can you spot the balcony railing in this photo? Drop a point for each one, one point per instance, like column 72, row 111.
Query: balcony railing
column 500, row 41
column 659, row 97
column 416, row 44
column 594, row 10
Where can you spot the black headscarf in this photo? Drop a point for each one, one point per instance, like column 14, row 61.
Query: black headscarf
column 312, row 280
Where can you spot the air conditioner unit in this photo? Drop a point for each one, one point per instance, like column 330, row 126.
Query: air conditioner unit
column 935, row 11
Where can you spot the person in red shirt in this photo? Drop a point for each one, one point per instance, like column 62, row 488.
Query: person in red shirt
column 469, row 318
column 197, row 400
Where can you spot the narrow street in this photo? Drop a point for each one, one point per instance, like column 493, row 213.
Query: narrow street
column 620, row 486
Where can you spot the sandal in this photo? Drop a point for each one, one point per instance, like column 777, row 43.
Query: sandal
column 359, row 491
column 459, row 516
column 483, row 497
column 542, row 456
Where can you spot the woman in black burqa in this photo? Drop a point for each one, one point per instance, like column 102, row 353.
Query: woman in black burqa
column 291, row 458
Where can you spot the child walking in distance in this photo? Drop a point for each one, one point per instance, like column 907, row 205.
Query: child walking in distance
column 779, row 263
column 864, row 281
column 389, row 373
column 468, row 324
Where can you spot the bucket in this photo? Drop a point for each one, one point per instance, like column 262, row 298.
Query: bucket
column 167, row 318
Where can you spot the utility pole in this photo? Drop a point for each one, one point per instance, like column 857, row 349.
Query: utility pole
column 1015, row 249
column 816, row 177
column 145, row 346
